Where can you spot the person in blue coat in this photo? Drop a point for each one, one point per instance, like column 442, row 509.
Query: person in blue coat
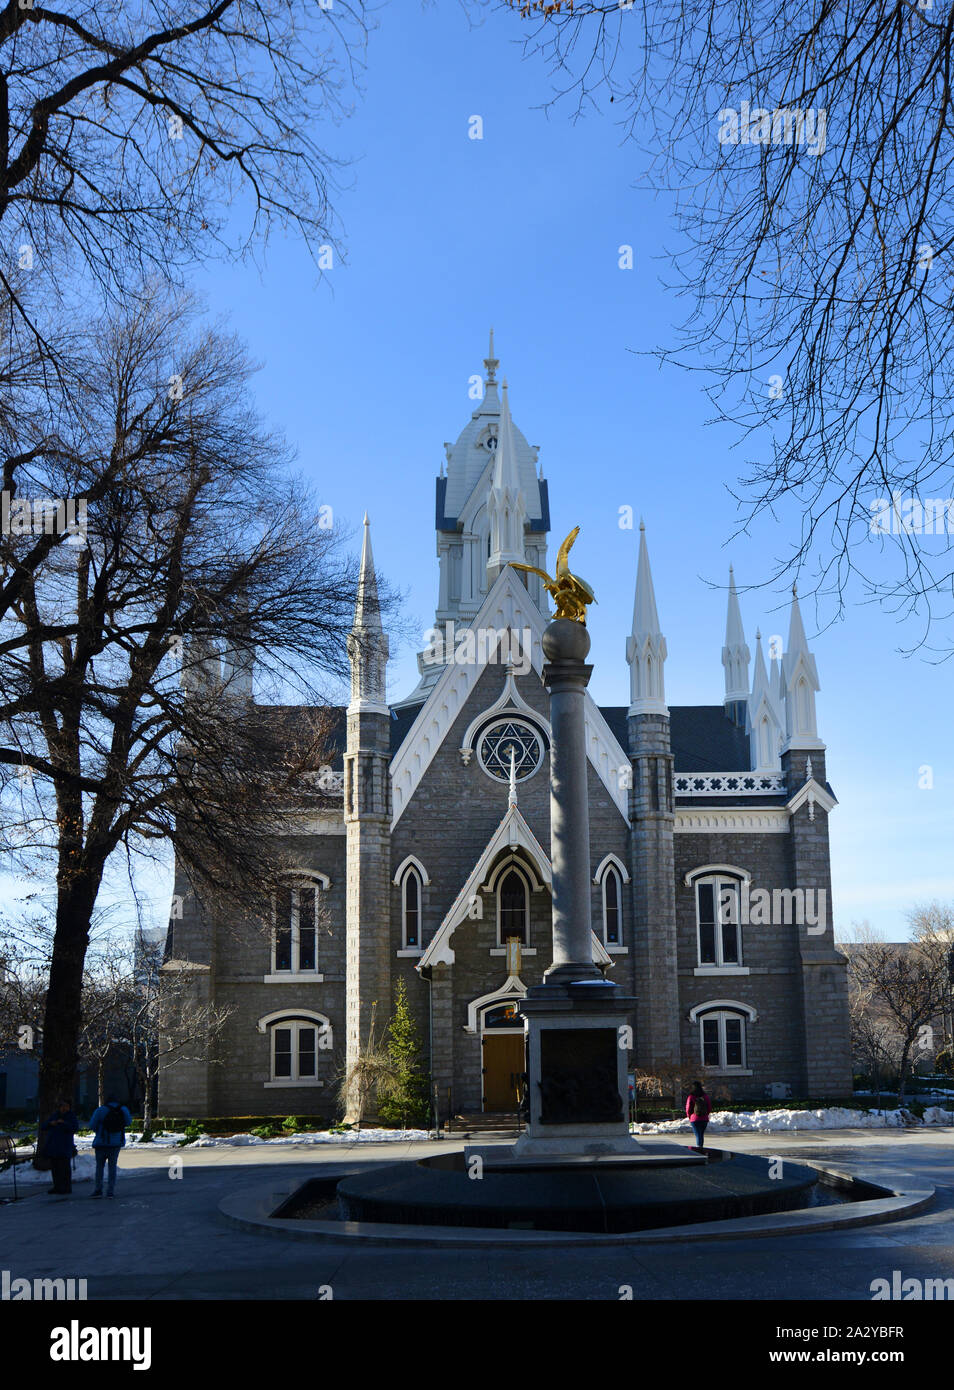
column 59, row 1147
column 108, row 1123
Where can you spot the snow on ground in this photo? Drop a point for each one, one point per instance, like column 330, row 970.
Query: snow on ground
column 768, row 1121
column 84, row 1170
column 208, row 1141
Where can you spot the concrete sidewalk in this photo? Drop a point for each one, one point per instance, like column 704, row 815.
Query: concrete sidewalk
column 163, row 1237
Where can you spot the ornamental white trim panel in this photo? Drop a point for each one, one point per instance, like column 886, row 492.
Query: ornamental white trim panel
column 730, row 784
column 732, row 821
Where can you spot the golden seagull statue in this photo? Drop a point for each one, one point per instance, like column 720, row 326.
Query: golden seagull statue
column 569, row 592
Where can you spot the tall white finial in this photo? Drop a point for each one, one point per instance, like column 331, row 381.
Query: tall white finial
column 735, row 653
column 763, row 721
column 646, row 645
column 367, row 643
column 512, row 792
column 506, row 506
column 799, row 685
column 491, row 362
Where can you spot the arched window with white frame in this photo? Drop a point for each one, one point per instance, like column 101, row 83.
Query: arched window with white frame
column 723, row 1041
column 612, row 907
column 296, row 1040
column 296, row 912
column 513, row 906
column 411, row 909
column 718, row 919
column 611, row 875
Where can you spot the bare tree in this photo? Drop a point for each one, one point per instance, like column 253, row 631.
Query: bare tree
column 808, row 149
column 906, row 985
column 166, row 1025
column 145, row 135
column 108, row 986
column 126, row 722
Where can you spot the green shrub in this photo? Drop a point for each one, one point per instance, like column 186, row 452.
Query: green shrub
column 267, row 1131
column 406, row 1098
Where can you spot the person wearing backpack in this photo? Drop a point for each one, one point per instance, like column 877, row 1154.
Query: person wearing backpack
column 698, row 1108
column 108, row 1123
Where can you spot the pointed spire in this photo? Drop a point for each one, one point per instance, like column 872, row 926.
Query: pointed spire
column 367, row 644
column 367, row 608
column 760, row 680
column 491, row 362
column 799, row 684
column 645, row 617
column 505, row 505
column 646, row 646
column 763, row 721
column 735, row 657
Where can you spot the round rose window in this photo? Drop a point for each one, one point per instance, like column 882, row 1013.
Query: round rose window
column 506, row 740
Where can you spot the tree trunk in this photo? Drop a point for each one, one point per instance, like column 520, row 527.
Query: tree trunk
column 63, row 1017
column 147, row 1102
column 902, row 1075
column 100, row 1066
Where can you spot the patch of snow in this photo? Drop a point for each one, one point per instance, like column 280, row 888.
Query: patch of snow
column 84, row 1170
column 770, row 1121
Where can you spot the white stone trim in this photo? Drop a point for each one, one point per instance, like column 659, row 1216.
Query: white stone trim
column 732, row 820
column 706, row 869
column 287, row 1084
column 536, row 884
column 410, row 861
column 410, row 952
column 712, row 1005
column 814, row 794
column 604, row 864
column 512, row 988
column 288, row 977
column 722, row 970
column 715, row 783
column 292, row 1014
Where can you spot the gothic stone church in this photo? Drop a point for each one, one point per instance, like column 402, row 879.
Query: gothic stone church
column 427, row 858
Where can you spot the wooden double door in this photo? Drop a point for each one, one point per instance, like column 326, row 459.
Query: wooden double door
column 504, row 1061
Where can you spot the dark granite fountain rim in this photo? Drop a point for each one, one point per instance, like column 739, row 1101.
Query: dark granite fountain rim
column 251, row 1209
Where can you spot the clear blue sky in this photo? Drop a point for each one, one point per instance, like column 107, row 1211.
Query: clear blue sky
column 367, row 372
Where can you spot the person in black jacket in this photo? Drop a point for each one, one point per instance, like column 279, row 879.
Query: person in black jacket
column 59, row 1147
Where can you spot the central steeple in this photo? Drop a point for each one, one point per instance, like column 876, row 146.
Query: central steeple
column 492, row 509
column 505, row 506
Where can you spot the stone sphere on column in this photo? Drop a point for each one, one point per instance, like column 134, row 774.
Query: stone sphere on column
column 565, row 640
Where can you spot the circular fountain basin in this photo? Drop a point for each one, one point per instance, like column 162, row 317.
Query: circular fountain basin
column 610, row 1197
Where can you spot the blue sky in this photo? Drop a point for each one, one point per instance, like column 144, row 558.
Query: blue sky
column 367, row 372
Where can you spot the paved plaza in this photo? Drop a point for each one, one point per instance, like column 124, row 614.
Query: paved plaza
column 165, row 1239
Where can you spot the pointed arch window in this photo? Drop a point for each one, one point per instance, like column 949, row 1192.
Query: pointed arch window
column 513, row 908
column 612, row 907
column 610, row 876
column 411, row 909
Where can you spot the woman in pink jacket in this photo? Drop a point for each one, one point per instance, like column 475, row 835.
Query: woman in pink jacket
column 698, row 1107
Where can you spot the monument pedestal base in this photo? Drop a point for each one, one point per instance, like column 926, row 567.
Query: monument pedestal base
column 577, row 1068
